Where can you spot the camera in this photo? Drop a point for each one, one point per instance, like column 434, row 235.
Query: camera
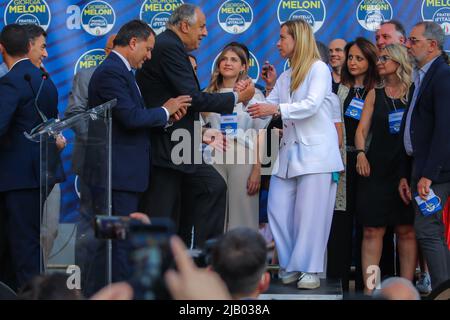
column 151, row 257
column 150, row 252
column 203, row 257
column 113, row 227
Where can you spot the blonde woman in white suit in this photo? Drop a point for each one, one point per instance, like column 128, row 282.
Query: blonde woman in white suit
column 302, row 188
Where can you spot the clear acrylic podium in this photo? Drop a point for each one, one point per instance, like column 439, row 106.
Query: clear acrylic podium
column 79, row 177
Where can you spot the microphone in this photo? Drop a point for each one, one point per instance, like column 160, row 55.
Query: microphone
column 27, row 78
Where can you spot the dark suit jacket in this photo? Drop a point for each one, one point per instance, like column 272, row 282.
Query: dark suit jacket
column 130, row 128
column 167, row 75
column 430, row 127
column 20, row 157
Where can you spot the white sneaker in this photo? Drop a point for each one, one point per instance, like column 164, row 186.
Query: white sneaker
column 288, row 277
column 308, row 281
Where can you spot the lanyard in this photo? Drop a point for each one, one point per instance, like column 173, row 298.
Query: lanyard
column 358, row 94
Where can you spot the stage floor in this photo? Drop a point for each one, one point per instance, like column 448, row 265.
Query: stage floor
column 329, row 290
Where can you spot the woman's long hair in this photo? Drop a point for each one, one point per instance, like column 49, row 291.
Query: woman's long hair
column 305, row 50
column 369, row 51
column 216, row 78
column 399, row 54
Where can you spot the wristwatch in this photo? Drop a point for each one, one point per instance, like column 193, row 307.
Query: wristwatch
column 358, row 151
column 278, row 113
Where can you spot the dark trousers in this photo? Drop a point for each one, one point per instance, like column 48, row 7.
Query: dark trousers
column 355, row 228
column 339, row 249
column 192, row 200
column 430, row 233
column 91, row 252
column 6, row 269
column 123, row 204
column 21, row 216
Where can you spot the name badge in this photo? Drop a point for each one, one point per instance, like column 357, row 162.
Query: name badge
column 431, row 205
column 395, row 120
column 228, row 124
column 355, row 108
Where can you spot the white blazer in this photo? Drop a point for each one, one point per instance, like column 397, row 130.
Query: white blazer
column 310, row 141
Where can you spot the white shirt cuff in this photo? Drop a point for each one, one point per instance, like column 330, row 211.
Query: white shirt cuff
column 168, row 124
column 167, row 113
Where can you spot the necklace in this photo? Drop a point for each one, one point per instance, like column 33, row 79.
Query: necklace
column 391, row 97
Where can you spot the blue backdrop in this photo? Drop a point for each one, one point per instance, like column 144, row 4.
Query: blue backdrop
column 77, row 31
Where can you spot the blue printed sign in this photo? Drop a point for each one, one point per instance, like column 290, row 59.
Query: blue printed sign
column 314, row 12
column 28, row 12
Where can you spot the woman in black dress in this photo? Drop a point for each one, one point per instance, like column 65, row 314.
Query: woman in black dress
column 359, row 76
column 378, row 202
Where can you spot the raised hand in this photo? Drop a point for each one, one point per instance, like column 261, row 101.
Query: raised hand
column 248, row 92
column 190, row 282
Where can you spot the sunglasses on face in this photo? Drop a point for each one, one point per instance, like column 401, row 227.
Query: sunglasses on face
column 384, row 59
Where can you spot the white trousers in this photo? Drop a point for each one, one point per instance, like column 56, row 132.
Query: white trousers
column 300, row 213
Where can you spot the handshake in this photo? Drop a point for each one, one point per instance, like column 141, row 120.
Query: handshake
column 245, row 90
column 177, row 107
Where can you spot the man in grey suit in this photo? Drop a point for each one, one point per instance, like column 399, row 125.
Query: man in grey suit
column 78, row 103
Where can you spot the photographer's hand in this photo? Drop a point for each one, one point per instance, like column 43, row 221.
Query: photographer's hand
column 190, row 282
column 142, row 217
column 115, row 291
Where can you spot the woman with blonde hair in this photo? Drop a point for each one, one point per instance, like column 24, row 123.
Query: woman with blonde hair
column 242, row 176
column 378, row 202
column 302, row 188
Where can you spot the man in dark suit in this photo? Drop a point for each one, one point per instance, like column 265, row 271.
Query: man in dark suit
column 114, row 79
column 426, row 135
column 179, row 188
column 78, row 104
column 20, row 157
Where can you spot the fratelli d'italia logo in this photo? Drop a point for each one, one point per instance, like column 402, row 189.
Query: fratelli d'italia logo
column 437, row 11
column 28, row 12
column 371, row 13
column 253, row 64
column 90, row 59
column 157, row 12
column 98, row 18
column 313, row 11
column 235, row 16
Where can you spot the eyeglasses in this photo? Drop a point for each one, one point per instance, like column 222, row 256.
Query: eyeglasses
column 383, row 59
column 414, row 40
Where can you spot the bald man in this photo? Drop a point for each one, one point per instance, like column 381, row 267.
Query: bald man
column 337, row 60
